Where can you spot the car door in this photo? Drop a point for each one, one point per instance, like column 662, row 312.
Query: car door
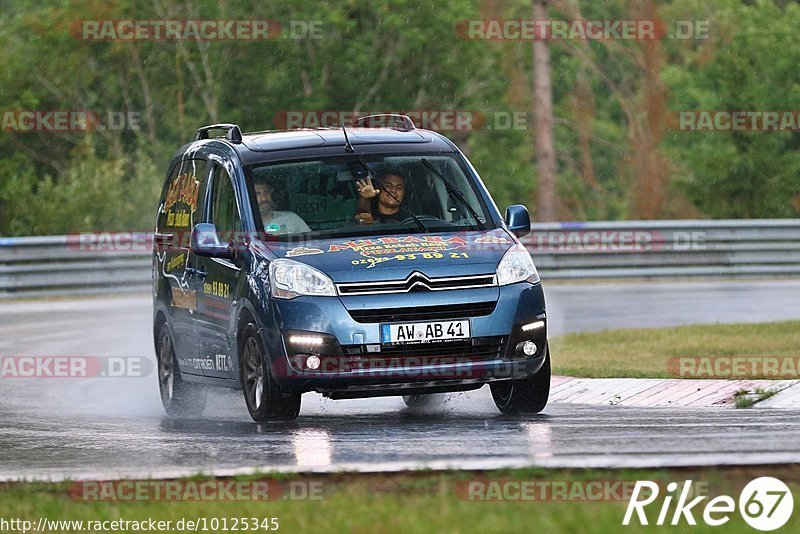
column 218, row 279
column 180, row 210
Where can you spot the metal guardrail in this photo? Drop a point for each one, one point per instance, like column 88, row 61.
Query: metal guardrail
column 60, row 265
column 658, row 249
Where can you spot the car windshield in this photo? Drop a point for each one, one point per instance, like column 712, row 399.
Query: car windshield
column 350, row 196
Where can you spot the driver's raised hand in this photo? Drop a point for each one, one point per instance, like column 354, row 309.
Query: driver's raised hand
column 366, row 189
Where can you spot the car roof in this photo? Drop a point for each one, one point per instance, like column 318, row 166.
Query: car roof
column 274, row 145
column 281, row 140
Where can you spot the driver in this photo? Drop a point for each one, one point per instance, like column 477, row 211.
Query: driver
column 276, row 222
column 383, row 204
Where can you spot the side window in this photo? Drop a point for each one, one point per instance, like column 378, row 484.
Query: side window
column 182, row 205
column 161, row 221
column 224, row 213
column 183, row 198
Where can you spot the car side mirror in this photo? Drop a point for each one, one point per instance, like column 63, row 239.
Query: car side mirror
column 518, row 220
column 205, row 242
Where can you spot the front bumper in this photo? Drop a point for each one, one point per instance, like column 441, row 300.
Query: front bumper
column 354, row 363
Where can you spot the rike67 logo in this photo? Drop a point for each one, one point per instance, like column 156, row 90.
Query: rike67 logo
column 765, row 504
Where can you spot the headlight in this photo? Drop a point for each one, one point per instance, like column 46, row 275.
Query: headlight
column 290, row 279
column 516, row 266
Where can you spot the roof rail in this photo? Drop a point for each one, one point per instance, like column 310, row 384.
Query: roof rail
column 234, row 133
column 401, row 122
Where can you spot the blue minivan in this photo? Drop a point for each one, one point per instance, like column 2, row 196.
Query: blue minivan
column 355, row 262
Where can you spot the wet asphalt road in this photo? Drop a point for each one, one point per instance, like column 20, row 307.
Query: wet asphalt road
column 102, row 427
column 383, row 435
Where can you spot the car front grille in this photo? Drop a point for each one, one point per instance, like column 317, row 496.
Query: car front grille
column 417, row 281
column 423, row 313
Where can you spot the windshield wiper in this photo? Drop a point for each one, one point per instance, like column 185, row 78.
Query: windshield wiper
column 452, row 192
column 413, row 215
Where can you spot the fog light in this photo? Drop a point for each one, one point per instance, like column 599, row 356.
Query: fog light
column 529, row 348
column 312, row 362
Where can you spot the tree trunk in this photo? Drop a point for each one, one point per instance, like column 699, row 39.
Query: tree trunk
column 546, row 201
column 650, row 166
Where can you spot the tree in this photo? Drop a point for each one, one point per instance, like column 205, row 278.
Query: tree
column 546, row 194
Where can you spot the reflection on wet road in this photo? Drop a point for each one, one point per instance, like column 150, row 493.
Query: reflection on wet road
column 56, row 428
column 460, row 431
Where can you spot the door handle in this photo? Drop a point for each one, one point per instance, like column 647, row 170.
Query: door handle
column 190, row 271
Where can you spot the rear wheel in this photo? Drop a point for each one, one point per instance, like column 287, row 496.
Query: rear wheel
column 528, row 395
column 265, row 401
column 180, row 398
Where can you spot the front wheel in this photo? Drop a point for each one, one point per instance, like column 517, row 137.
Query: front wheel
column 528, row 395
column 265, row 401
column 180, row 398
column 418, row 401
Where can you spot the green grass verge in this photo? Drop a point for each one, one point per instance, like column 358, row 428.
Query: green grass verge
column 410, row 503
column 640, row 353
column 745, row 398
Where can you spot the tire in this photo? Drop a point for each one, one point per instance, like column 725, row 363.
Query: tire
column 180, row 398
column 417, row 401
column 264, row 400
column 528, row 395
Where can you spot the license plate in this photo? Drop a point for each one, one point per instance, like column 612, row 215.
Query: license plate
column 425, row 332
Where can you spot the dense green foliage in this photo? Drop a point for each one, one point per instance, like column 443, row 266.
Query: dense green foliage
column 400, row 55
